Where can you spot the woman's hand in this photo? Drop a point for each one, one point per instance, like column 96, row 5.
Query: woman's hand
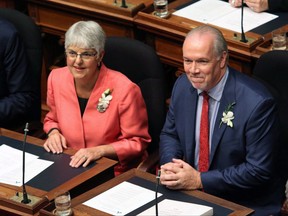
column 86, row 155
column 55, row 142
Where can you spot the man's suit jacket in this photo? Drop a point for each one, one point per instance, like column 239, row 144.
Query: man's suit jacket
column 124, row 124
column 242, row 158
column 16, row 95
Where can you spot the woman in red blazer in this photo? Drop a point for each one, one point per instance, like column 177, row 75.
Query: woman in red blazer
column 94, row 109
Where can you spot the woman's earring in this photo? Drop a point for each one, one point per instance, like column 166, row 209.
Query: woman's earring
column 99, row 64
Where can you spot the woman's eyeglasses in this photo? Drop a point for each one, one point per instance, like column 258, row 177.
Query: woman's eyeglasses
column 85, row 55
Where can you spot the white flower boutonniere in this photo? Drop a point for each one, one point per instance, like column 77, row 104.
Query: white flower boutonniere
column 228, row 116
column 104, row 101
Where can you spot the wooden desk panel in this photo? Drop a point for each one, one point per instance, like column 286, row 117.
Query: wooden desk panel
column 57, row 22
column 7, row 4
column 56, row 16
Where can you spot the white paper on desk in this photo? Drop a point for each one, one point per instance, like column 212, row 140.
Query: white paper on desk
column 122, row 199
column 222, row 14
column 169, row 207
column 11, row 165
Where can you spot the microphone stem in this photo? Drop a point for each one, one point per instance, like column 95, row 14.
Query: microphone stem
column 124, row 4
column 243, row 38
column 25, row 196
column 156, row 194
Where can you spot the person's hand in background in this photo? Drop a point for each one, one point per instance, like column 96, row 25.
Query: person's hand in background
column 255, row 5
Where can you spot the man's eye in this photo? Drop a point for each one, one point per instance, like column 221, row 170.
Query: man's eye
column 86, row 55
column 202, row 62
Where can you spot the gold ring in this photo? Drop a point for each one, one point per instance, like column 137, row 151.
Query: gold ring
column 85, row 157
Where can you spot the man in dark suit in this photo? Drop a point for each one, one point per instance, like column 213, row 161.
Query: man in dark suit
column 242, row 140
column 16, row 95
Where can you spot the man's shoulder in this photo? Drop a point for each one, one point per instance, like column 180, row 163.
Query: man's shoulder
column 182, row 82
column 10, row 29
column 249, row 83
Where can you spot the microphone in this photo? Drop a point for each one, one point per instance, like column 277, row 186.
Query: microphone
column 243, row 38
column 156, row 191
column 25, row 196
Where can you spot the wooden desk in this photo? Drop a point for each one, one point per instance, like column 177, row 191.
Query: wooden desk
column 86, row 180
column 266, row 45
column 81, row 210
column 167, row 36
column 56, row 16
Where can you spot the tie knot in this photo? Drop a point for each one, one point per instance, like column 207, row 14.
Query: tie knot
column 205, row 95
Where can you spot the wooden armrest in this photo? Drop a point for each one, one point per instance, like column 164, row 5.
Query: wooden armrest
column 151, row 163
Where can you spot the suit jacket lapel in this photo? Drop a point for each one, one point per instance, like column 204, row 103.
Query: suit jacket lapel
column 190, row 126
column 228, row 97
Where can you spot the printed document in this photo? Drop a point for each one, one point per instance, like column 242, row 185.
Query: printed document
column 122, row 199
column 222, row 14
column 169, row 207
column 11, row 165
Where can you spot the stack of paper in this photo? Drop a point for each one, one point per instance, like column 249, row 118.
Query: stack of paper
column 222, row 14
column 11, row 165
column 169, row 207
column 127, row 197
column 122, row 199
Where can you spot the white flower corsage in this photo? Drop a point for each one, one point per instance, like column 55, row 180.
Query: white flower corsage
column 104, row 101
column 228, row 116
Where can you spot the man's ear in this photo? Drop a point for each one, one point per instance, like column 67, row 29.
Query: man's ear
column 224, row 59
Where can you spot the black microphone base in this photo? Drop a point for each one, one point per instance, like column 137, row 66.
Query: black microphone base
column 238, row 37
column 13, row 204
column 244, row 40
column 31, row 201
column 26, row 201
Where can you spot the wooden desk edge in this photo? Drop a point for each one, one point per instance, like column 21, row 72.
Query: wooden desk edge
column 19, row 136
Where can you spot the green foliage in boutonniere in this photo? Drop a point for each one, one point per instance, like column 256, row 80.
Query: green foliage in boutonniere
column 228, row 115
column 104, row 100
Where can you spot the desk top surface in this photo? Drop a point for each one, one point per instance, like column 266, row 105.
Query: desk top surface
column 220, row 206
column 59, row 176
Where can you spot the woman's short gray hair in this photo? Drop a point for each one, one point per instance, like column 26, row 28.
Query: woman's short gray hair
column 86, row 35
